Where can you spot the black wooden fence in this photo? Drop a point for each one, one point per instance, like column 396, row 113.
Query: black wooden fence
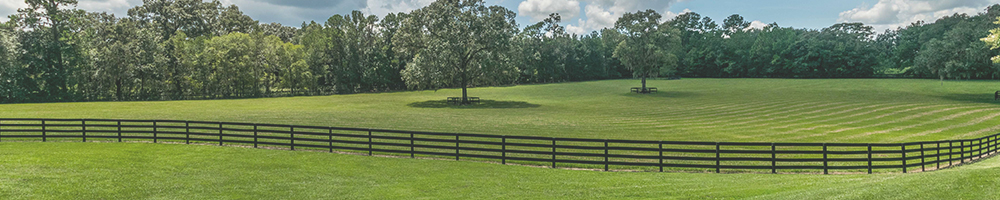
column 637, row 155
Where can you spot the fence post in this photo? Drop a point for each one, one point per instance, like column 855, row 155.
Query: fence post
column 119, row 130
column 291, row 134
column 774, row 160
column 869, row 158
column 330, row 138
column 938, row 154
column 43, row 131
column 605, row 155
column 717, row 158
column 922, row 165
column 83, row 129
column 220, row 133
column 503, row 149
column 902, row 148
column 154, row 131
column 254, row 135
column 369, row 142
column 553, row 153
column 412, row 155
column 825, row 166
column 950, row 150
column 187, row 132
column 980, row 148
column 456, row 148
column 661, row 156
column 961, row 151
column 1, row 130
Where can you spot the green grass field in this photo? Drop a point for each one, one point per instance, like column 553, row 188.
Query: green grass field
column 176, row 171
column 758, row 110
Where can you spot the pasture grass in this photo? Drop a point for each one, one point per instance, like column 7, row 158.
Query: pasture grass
column 73, row 170
column 753, row 110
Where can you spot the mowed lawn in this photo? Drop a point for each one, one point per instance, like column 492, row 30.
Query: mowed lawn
column 758, row 110
column 770, row 110
column 74, row 170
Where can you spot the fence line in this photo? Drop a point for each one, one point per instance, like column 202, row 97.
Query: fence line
column 639, row 155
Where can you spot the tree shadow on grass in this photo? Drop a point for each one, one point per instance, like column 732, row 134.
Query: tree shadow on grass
column 663, row 94
column 484, row 104
column 986, row 97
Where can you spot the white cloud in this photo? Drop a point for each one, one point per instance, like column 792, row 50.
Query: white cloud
column 117, row 7
column 890, row 14
column 9, row 7
column 290, row 13
column 540, row 9
column 576, row 30
column 604, row 13
column 671, row 15
column 383, row 7
column 757, row 24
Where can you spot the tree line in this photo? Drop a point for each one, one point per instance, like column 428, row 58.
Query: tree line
column 187, row 49
column 947, row 48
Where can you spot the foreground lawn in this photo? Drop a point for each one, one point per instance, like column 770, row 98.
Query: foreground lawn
column 69, row 170
column 759, row 110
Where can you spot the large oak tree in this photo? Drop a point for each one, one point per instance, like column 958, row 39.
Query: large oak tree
column 457, row 43
column 647, row 47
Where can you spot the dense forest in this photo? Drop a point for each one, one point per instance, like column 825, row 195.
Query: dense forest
column 192, row 49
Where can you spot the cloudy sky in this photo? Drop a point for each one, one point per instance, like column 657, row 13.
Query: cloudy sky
column 583, row 16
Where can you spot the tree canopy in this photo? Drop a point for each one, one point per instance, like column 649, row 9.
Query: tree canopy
column 647, row 46
column 193, row 49
column 457, row 43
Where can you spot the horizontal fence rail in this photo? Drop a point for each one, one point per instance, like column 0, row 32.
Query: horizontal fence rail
column 624, row 155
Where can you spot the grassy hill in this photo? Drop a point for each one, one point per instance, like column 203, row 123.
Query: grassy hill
column 766, row 110
column 760, row 110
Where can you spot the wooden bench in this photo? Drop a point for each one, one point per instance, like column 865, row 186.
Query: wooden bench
column 648, row 90
column 458, row 100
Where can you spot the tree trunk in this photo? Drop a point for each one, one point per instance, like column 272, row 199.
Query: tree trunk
column 644, row 85
column 118, row 89
column 465, row 88
column 942, row 79
column 465, row 95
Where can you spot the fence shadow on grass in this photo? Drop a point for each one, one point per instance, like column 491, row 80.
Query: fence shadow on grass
column 484, row 104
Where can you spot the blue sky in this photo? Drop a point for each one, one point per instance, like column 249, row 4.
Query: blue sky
column 582, row 16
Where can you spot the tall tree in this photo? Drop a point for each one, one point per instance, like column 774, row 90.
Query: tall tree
column 647, row 47
column 12, row 74
column 457, row 43
column 126, row 61
column 47, row 37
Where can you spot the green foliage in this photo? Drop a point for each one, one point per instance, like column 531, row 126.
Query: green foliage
column 993, row 40
column 182, row 49
column 241, row 65
column 50, row 51
column 457, row 43
column 647, row 46
column 127, row 62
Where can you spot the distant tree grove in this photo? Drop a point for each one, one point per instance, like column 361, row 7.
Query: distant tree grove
column 193, row 49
